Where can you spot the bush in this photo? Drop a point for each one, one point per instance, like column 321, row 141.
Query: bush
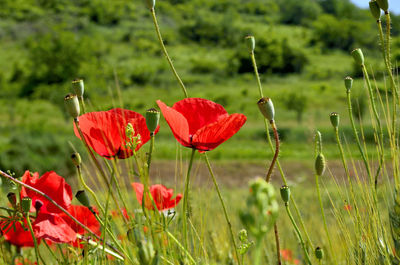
column 299, row 12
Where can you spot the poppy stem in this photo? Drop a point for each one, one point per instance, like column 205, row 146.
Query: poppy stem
column 95, row 244
column 223, row 207
column 28, row 221
column 181, row 247
column 150, row 153
column 79, row 170
column 83, row 104
column 98, row 166
column 186, row 199
column 2, row 173
column 253, row 60
column 276, row 136
column 153, row 14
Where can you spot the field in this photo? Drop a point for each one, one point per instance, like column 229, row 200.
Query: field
column 303, row 50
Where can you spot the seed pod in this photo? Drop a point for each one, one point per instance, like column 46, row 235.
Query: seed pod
column 320, row 164
column 348, row 83
column 83, row 198
column 267, row 108
column 383, row 4
column 334, row 117
column 358, row 56
column 26, row 204
column 150, row 3
column 79, row 87
column 375, row 10
column 12, row 198
column 152, row 119
column 319, row 253
column 285, row 194
column 72, row 104
column 76, row 159
column 251, row 43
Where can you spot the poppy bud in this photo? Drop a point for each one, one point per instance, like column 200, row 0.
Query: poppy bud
column 83, row 198
column 26, row 204
column 320, row 164
column 267, row 108
column 12, row 199
column 152, row 119
column 38, row 205
column 76, row 159
column 375, row 10
column 348, row 83
column 334, row 116
column 151, row 3
column 79, row 87
column 72, row 105
column 383, row 4
column 251, row 43
column 285, row 194
column 319, row 253
column 358, row 56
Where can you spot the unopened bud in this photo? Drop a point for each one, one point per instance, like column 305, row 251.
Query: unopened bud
column 251, row 43
column 12, row 198
column 319, row 253
column 348, row 83
column 26, row 204
column 131, row 234
column 72, row 105
column 320, row 164
column 383, row 4
column 83, row 198
column 38, row 205
column 76, row 159
column 375, row 10
column 334, row 117
column 267, row 108
column 285, row 194
column 150, row 3
column 79, row 87
column 152, row 119
column 358, row 56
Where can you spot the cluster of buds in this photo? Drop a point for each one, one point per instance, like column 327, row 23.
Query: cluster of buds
column 132, row 140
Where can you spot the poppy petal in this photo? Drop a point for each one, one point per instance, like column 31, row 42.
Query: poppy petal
column 53, row 227
column 15, row 233
column 177, row 122
column 212, row 135
column 199, row 112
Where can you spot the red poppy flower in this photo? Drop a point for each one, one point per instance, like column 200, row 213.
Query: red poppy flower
column 53, row 227
column 201, row 124
column 52, row 185
column 161, row 195
column 105, row 131
column 17, row 234
column 86, row 217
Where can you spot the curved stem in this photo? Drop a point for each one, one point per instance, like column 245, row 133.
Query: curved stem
column 186, row 199
column 153, row 14
column 276, row 136
column 223, row 207
column 28, row 221
column 253, row 60
column 298, row 234
column 86, row 187
column 278, row 248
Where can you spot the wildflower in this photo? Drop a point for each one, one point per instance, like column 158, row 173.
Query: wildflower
column 347, row 207
column 201, row 124
column 105, row 131
column 162, row 196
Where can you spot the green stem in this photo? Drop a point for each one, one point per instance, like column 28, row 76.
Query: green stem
column 223, row 206
column 253, row 60
column 86, row 187
column 97, row 245
column 153, row 14
column 151, row 148
column 28, row 221
column 298, row 234
column 257, row 254
column 186, row 199
column 278, row 248
column 181, row 247
column 114, row 175
column 83, row 104
column 276, row 136
column 324, row 219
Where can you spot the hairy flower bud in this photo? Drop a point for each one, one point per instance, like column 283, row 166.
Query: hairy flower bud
column 334, row 117
column 12, row 198
column 358, row 56
column 26, row 204
column 83, row 198
column 251, row 43
column 319, row 253
column 375, row 10
column 285, row 193
column 320, row 164
column 383, row 4
column 150, row 3
column 267, row 108
column 152, row 119
column 348, row 83
column 76, row 159
column 79, row 87
column 72, row 104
